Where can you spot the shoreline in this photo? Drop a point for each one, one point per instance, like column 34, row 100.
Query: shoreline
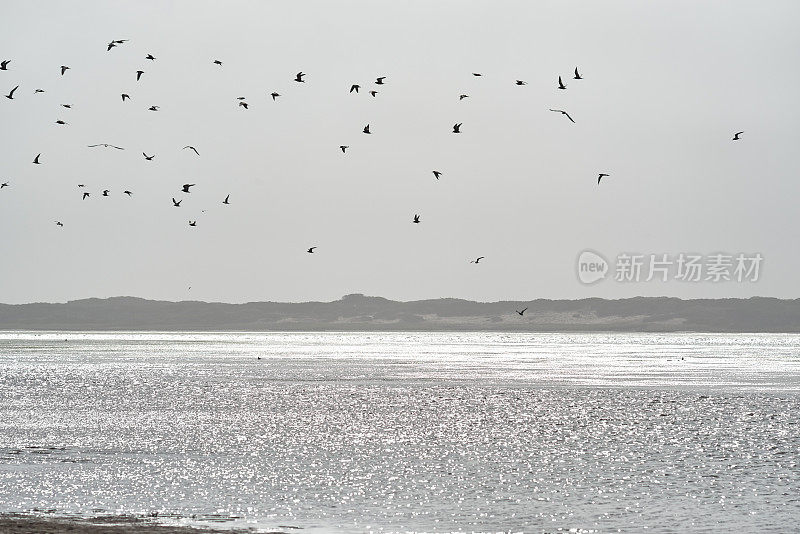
column 21, row 523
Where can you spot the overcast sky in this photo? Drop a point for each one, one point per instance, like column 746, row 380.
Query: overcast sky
column 666, row 85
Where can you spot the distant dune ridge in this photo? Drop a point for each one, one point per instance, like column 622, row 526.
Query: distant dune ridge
column 359, row 312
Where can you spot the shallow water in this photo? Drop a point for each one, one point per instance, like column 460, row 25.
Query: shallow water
column 400, row 432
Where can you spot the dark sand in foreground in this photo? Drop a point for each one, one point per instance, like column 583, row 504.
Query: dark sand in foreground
column 27, row 524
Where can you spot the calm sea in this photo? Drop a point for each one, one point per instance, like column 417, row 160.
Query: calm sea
column 406, row 432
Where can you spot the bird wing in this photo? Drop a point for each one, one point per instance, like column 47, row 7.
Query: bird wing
column 567, row 114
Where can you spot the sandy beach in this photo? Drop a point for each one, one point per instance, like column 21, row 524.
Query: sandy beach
column 27, row 524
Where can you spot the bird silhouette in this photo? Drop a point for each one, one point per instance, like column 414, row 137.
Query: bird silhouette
column 153, row 108
column 299, row 77
column 85, row 195
column 36, row 159
column 106, row 145
column 478, row 259
column 64, row 69
column 416, row 219
column 366, row 129
column 105, row 192
column 10, row 95
column 4, row 184
column 379, row 81
column 217, row 62
column 274, row 96
column 150, row 57
column 563, row 113
column 193, row 148
column 139, row 74
column 226, row 200
column 243, row 105
column 59, row 223
column 60, row 122
column 148, row 158
column 4, row 64
column 176, row 203
column 477, row 74
column 111, row 45
column 129, row 193
column 125, row 95
column 240, row 98
column 343, row 147
column 457, row 128
column 577, row 76
column 68, row 106
column 600, row 176
column 355, row 88
column 374, row 93
column 38, row 91
column 311, row 250
column 736, row 136
column 186, row 187
column 520, row 82
column 521, row 313
column 437, row 174
column 561, row 84
column 462, row 97
column 192, row 223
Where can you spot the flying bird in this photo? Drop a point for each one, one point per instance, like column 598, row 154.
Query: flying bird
column 38, row 91
column 60, row 122
column 736, row 136
column 477, row 74
column 139, row 74
column 366, row 129
column 600, row 176
column 374, row 93
column 478, row 260
column 243, row 105
column 577, row 76
column 85, row 194
column 520, row 82
column 59, row 223
column 240, row 98
column 10, row 95
column 457, row 128
column 561, row 84
column 68, row 106
column 193, row 148
column 311, row 250
column 343, row 147
column 36, row 159
column 437, row 174
column 105, row 192
column 153, row 108
column 299, row 77
column 81, row 185
column 462, row 97
column 106, row 145
column 192, row 223
column 64, row 69
column 129, row 193
column 379, row 81
column 111, row 45
column 226, row 200
column 563, row 113
column 416, row 219
column 4, row 184
column 150, row 57
column 217, row 62
column 355, row 88
column 521, row 313
column 4, row 64
column 148, row 158
column 125, row 95
column 176, row 203
column 274, row 96
column 186, row 187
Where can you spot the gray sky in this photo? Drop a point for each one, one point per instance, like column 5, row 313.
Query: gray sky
column 666, row 84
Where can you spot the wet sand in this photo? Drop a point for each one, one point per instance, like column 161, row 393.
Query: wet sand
column 27, row 524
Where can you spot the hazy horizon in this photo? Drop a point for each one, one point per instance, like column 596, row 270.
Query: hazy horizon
column 664, row 88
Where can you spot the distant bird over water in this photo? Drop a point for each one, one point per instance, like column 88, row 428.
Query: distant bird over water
column 192, row 148
column 736, row 136
column 600, row 176
column 106, row 145
column 10, row 95
column 521, row 313
column 563, row 113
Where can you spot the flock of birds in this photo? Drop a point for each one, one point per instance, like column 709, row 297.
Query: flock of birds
column 299, row 78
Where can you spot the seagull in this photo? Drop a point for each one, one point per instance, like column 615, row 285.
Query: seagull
column 10, row 95
column 478, row 260
column 148, row 158
column 85, row 194
column 4, row 64
column 577, row 76
column 457, row 128
column 105, row 192
column 150, row 57
column 68, row 106
column 373, row 93
column 477, row 74
column 186, row 187
column 416, row 219
column 299, row 77
column 139, row 74
column 736, row 136
column 274, row 96
column 129, row 193
column 462, row 97
column 176, row 203
column 437, row 174
column 520, row 82
column 355, row 88
column 106, row 145
column 192, row 223
column 561, row 84
column 60, row 122
column 563, row 113
column 64, row 69
column 81, row 185
column 4, row 184
column 343, row 147
column 59, row 223
column 521, row 313
column 125, row 95
column 240, row 98
column 193, row 148
column 600, row 176
column 111, row 45
column 38, row 91
column 379, row 81
column 226, row 200
column 311, row 250
column 366, row 129
column 217, row 62
column 153, row 108
column 36, row 159
column 243, row 104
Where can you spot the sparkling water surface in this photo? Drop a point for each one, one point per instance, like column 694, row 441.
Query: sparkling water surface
column 405, row 432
